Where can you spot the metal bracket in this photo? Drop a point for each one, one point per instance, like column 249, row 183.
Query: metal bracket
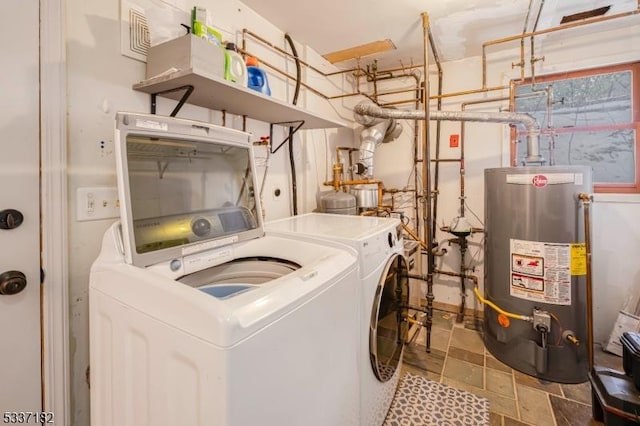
column 298, row 124
column 188, row 90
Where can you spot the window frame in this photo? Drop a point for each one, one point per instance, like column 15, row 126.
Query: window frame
column 634, row 68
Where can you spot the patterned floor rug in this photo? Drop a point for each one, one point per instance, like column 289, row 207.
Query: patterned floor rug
column 420, row 401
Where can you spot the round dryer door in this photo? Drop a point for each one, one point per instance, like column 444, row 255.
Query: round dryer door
column 389, row 328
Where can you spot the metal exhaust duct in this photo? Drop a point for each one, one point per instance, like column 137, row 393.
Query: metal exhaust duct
column 375, row 132
column 365, row 110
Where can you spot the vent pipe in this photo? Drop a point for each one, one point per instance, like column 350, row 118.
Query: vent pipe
column 365, row 110
column 376, row 131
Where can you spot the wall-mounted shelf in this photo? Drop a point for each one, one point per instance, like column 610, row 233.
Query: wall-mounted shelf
column 212, row 92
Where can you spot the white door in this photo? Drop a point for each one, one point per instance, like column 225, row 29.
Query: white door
column 20, row 359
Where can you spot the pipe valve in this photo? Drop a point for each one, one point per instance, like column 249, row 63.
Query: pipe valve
column 541, row 320
column 570, row 337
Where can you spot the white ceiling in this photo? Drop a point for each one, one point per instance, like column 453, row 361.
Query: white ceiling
column 459, row 27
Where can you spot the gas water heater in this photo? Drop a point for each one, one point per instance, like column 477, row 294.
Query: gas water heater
column 535, row 266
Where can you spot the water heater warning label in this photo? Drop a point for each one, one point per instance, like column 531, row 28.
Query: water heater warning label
column 541, row 272
column 578, row 259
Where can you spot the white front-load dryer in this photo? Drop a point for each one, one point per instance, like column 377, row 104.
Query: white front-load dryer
column 384, row 297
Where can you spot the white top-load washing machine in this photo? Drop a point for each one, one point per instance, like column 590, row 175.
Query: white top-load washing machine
column 197, row 317
column 384, row 296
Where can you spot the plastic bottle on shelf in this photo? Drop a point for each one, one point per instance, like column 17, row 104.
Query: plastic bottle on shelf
column 256, row 77
column 234, row 67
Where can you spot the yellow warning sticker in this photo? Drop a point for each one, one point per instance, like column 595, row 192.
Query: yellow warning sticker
column 578, row 259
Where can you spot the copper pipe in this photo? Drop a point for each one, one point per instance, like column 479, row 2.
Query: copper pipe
column 452, row 274
column 375, row 79
column 348, row 95
column 463, row 290
column 406, row 101
column 470, row 92
column 403, row 68
column 533, row 59
column 337, row 182
column 279, row 71
column 456, row 274
column 396, row 190
column 546, row 31
column 564, row 27
column 356, row 70
column 426, row 173
column 417, row 100
column 513, row 157
column 284, row 52
column 436, row 174
column 426, row 181
column 303, row 84
column 416, row 157
column 484, row 88
column 445, row 160
column 395, row 92
column 414, row 236
column 521, row 64
column 349, row 151
column 455, row 240
column 337, row 176
column 448, row 95
column 586, row 200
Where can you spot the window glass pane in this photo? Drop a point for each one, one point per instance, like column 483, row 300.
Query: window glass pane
column 610, row 153
column 591, row 123
column 596, row 100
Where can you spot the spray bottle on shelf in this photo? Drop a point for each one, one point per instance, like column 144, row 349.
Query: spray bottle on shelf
column 257, row 78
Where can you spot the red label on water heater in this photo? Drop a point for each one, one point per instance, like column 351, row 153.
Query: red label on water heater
column 539, row 181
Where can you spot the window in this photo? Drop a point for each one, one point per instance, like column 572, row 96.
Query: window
column 591, row 118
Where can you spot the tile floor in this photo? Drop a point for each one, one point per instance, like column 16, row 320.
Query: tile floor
column 458, row 358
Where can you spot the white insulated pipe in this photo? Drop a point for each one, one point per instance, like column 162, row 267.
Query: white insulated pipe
column 366, row 110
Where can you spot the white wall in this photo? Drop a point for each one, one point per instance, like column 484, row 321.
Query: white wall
column 99, row 84
column 616, row 248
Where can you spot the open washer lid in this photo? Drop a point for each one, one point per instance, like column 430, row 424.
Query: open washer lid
column 184, row 187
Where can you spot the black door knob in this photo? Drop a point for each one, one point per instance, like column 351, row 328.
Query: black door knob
column 10, row 219
column 12, row 282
